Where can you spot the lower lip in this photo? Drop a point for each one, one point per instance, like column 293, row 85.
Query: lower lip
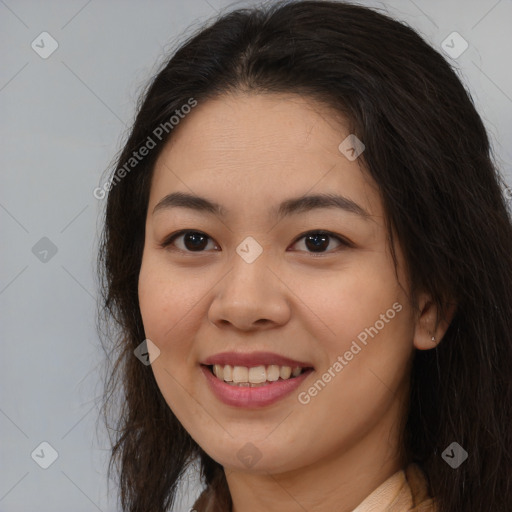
column 259, row 396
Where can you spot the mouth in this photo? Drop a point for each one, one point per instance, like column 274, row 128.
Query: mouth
column 255, row 376
column 253, row 387
column 255, row 379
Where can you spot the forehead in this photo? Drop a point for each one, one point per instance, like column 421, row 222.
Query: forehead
column 255, row 148
column 270, row 125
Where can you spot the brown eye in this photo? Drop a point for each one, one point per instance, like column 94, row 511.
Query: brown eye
column 193, row 241
column 319, row 241
column 316, row 242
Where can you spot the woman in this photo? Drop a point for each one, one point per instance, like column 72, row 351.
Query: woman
column 307, row 247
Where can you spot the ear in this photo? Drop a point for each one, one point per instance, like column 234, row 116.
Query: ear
column 431, row 324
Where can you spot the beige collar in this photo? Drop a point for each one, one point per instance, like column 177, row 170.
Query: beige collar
column 405, row 491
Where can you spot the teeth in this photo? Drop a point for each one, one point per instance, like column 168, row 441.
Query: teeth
column 228, row 372
column 240, row 374
column 272, row 373
column 285, row 372
column 256, row 375
column 219, row 371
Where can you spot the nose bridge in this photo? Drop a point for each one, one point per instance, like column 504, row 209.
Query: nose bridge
column 250, row 250
column 250, row 292
column 249, row 273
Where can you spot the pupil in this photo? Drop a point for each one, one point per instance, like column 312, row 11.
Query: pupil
column 195, row 238
column 317, row 244
column 197, row 241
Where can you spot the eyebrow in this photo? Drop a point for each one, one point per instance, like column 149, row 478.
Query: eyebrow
column 288, row 207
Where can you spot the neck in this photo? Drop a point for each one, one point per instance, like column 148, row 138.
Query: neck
column 340, row 481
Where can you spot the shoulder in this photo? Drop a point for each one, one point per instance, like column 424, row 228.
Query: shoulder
column 418, row 485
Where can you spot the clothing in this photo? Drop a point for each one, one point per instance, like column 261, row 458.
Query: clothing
column 405, row 491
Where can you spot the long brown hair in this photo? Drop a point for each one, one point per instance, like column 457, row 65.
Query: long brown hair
column 429, row 153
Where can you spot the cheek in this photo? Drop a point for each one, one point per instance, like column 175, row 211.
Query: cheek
column 155, row 301
column 372, row 325
column 354, row 303
column 164, row 298
column 172, row 313
column 168, row 317
column 365, row 354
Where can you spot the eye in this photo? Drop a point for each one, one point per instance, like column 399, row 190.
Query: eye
column 318, row 241
column 194, row 241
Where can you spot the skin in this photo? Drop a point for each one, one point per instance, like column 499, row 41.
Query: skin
column 249, row 152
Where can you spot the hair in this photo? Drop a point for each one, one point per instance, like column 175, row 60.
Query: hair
column 429, row 153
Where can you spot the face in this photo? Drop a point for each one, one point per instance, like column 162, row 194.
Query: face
column 261, row 291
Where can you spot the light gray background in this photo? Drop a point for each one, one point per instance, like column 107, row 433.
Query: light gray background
column 62, row 121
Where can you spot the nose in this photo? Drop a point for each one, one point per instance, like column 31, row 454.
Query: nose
column 250, row 296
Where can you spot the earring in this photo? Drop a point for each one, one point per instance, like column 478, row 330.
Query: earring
column 433, row 338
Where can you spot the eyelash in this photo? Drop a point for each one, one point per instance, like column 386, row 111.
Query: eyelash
column 344, row 242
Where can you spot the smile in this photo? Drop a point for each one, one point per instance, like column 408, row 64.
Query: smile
column 254, row 376
column 242, row 392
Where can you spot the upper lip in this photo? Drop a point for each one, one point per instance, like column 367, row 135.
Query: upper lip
column 253, row 359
